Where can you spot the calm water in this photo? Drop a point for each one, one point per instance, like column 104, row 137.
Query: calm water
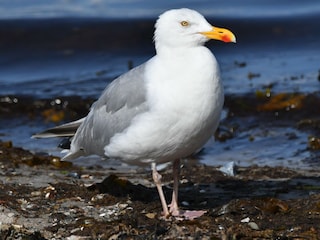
column 54, row 48
column 15, row 9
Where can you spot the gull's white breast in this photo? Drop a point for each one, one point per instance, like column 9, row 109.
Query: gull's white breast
column 185, row 98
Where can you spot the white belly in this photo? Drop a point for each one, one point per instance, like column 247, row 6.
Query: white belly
column 184, row 113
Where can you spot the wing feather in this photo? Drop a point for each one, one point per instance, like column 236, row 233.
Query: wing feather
column 112, row 113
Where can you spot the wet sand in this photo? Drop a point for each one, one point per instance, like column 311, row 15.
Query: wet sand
column 43, row 198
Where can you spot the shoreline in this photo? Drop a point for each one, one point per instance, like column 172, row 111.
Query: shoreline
column 43, row 198
column 261, row 128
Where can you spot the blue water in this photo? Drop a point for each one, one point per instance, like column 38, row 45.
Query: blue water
column 14, row 9
column 49, row 47
column 62, row 48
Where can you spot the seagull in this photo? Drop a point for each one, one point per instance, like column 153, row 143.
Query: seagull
column 161, row 111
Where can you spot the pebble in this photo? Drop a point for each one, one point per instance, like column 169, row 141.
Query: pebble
column 228, row 169
column 75, row 237
column 97, row 197
column 253, row 225
column 86, row 176
column 185, row 203
column 245, row 220
column 36, row 193
column 151, row 215
column 74, row 175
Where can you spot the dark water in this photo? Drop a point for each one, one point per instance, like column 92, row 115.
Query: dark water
column 13, row 9
column 50, row 49
column 63, row 48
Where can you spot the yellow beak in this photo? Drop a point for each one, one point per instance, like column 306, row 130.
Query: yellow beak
column 221, row 34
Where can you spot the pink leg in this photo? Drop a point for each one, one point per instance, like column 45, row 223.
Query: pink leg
column 174, row 209
column 157, row 180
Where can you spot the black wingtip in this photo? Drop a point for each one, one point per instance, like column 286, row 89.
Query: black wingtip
column 65, row 143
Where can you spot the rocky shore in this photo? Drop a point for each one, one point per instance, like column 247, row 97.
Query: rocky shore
column 44, row 198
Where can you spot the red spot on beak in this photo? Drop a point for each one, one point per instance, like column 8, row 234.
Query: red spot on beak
column 226, row 38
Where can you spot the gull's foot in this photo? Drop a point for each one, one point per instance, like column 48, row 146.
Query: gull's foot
column 165, row 216
column 187, row 214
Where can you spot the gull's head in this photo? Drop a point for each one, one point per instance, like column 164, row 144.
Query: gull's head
column 185, row 27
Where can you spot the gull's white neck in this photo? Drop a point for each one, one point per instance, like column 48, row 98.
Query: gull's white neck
column 186, row 59
column 178, row 51
column 185, row 76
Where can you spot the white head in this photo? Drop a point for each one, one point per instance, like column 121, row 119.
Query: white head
column 184, row 28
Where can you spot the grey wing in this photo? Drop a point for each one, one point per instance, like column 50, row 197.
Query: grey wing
column 127, row 90
column 112, row 113
column 64, row 130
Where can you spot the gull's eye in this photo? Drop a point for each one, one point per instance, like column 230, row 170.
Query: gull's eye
column 184, row 23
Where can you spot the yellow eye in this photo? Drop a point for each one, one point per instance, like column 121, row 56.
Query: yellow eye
column 184, row 23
